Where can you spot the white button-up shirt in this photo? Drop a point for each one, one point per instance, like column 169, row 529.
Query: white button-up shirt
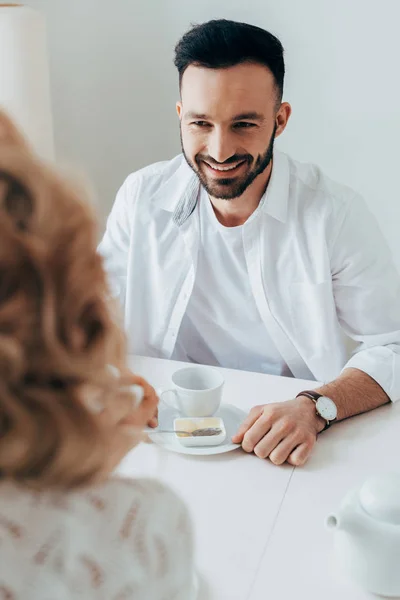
column 318, row 266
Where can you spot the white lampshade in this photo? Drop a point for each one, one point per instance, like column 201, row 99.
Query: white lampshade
column 24, row 75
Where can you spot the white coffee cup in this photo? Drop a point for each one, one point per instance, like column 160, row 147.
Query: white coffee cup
column 197, row 391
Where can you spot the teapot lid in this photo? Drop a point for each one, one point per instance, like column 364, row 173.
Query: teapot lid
column 380, row 497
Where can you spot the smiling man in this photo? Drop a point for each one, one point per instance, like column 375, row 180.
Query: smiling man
column 234, row 254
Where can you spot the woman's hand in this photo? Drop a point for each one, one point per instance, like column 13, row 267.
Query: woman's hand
column 123, row 417
column 146, row 413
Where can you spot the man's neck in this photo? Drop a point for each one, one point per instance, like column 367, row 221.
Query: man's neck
column 232, row 213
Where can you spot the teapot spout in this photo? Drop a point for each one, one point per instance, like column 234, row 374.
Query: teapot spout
column 343, row 520
column 332, row 521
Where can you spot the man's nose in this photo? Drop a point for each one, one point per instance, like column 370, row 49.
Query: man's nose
column 220, row 146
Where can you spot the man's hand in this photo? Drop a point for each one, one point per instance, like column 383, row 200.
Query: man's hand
column 285, row 431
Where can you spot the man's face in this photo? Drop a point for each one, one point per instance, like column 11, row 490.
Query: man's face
column 228, row 125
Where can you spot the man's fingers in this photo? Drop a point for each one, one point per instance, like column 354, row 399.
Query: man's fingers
column 300, row 454
column 267, row 444
column 280, row 431
column 282, row 451
column 260, row 430
column 254, row 414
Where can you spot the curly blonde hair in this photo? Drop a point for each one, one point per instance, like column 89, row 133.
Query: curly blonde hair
column 58, row 333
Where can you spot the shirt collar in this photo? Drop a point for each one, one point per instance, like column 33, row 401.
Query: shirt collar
column 277, row 193
column 179, row 194
column 180, row 185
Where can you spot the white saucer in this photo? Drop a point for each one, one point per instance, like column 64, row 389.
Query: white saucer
column 231, row 415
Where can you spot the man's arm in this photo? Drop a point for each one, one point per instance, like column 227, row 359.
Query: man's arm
column 114, row 247
column 366, row 290
column 287, row 431
column 354, row 392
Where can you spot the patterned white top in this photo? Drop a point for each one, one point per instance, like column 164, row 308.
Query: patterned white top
column 121, row 540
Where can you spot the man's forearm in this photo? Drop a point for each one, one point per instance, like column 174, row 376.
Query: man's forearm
column 354, row 392
column 287, row 431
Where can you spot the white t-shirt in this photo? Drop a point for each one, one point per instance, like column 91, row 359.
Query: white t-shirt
column 222, row 325
column 122, row 540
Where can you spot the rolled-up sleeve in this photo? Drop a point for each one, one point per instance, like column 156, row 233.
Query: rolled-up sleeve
column 366, row 287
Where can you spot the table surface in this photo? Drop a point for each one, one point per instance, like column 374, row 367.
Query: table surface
column 260, row 528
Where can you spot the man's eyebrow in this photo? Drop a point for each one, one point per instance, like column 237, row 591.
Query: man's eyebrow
column 249, row 116
column 196, row 116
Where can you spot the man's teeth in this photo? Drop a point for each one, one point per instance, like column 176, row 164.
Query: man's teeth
column 224, row 168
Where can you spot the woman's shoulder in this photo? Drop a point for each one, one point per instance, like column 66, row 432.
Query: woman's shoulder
column 107, row 505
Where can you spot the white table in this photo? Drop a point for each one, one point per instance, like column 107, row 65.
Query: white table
column 260, row 528
column 298, row 562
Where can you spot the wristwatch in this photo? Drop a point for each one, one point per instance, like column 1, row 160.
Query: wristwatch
column 325, row 407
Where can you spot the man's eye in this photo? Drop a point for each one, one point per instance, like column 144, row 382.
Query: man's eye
column 201, row 123
column 244, row 125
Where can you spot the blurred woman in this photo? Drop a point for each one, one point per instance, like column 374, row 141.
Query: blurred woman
column 68, row 527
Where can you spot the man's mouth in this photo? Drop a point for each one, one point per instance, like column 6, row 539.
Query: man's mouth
column 220, row 169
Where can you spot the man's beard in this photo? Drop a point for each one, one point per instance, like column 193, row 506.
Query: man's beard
column 232, row 187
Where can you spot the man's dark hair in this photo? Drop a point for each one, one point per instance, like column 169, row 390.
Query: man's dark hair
column 221, row 43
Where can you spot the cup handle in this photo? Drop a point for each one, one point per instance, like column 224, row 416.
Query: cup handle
column 161, row 392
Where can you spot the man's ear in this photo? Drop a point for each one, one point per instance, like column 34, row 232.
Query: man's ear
column 10, row 133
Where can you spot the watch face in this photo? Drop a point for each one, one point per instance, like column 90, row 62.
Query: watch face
column 326, row 408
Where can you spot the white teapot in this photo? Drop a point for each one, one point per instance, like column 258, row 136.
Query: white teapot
column 367, row 535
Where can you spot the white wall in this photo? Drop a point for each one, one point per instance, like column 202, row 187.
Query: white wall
column 114, row 86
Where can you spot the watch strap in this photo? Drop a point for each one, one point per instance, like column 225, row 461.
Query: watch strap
column 310, row 394
column 314, row 397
